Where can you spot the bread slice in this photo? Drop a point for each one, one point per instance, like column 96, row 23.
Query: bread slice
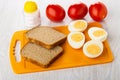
column 46, row 36
column 40, row 55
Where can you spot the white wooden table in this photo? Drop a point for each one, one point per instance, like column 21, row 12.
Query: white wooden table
column 11, row 20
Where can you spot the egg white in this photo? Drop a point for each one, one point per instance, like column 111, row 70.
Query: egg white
column 72, row 29
column 98, row 43
column 73, row 44
column 101, row 38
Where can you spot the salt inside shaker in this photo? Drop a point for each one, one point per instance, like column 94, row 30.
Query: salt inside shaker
column 31, row 14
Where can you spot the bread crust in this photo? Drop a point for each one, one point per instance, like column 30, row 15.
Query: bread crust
column 36, row 62
column 48, row 46
column 40, row 64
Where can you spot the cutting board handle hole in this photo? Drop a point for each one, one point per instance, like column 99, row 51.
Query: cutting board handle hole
column 17, row 51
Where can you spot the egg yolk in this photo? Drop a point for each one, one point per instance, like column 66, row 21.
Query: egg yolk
column 79, row 25
column 30, row 7
column 99, row 33
column 77, row 37
column 93, row 49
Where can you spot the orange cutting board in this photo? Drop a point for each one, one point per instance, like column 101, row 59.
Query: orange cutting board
column 70, row 58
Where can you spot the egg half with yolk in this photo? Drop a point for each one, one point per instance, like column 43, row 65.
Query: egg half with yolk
column 77, row 25
column 76, row 39
column 97, row 34
column 93, row 48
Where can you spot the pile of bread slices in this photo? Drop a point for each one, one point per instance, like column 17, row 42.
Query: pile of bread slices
column 43, row 46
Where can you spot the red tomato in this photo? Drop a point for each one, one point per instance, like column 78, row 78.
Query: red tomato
column 98, row 11
column 77, row 11
column 55, row 12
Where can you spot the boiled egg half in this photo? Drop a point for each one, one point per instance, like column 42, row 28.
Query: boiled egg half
column 77, row 25
column 96, row 33
column 76, row 39
column 93, row 48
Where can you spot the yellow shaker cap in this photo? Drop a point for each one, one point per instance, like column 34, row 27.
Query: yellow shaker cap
column 30, row 6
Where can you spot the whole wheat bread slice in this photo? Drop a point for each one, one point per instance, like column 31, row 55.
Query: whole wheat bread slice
column 40, row 55
column 46, row 36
